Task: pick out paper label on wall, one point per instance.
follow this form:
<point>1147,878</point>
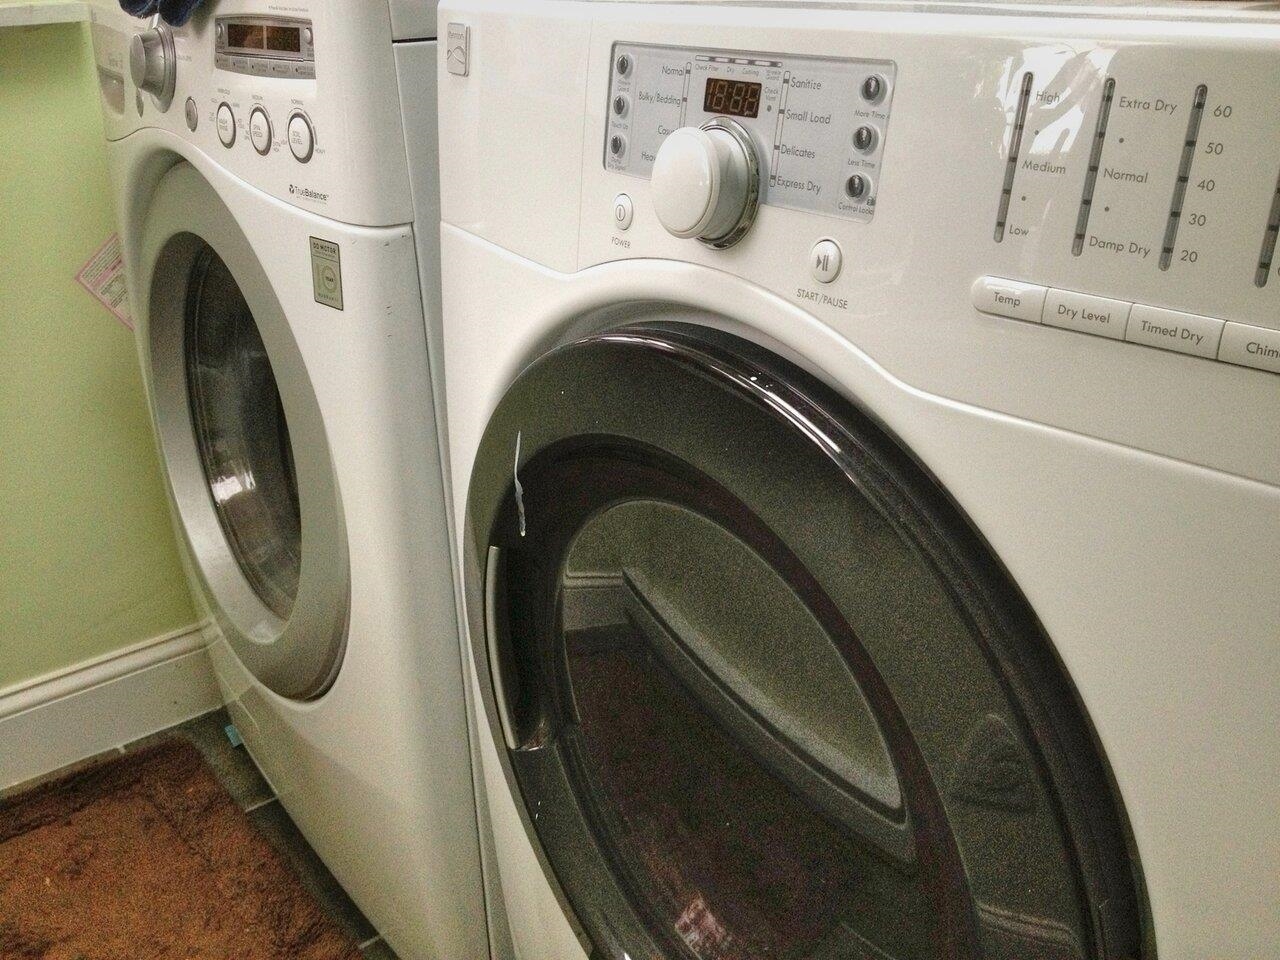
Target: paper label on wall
<point>103,277</point>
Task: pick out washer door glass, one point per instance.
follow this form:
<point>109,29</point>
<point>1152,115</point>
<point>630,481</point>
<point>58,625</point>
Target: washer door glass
<point>241,434</point>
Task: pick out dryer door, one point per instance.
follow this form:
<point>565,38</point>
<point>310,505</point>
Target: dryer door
<point>764,692</point>
<point>243,442</point>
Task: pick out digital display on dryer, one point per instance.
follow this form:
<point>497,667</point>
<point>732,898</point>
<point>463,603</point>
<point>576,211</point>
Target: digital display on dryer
<point>734,98</point>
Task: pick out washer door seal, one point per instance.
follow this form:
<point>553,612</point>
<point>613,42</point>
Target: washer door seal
<point>764,691</point>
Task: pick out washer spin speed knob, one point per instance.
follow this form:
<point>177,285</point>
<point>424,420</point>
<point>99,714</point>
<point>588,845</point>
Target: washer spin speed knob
<point>706,182</point>
<point>153,65</point>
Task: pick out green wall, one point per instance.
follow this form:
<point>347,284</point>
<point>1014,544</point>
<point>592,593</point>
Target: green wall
<point>87,557</point>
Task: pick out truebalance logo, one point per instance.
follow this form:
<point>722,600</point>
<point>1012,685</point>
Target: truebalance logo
<point>306,193</point>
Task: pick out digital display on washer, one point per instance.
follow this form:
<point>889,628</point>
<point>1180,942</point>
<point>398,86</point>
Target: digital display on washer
<point>734,98</point>
<point>269,37</point>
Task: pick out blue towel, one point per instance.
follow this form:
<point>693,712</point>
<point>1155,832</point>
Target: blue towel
<point>177,12</point>
<point>173,12</point>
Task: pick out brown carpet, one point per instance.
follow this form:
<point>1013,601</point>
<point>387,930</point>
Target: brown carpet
<point>146,857</point>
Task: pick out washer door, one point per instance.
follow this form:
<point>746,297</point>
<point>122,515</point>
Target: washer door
<point>243,442</point>
<point>764,692</point>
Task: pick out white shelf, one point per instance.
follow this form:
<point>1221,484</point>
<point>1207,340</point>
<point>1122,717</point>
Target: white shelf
<point>28,14</point>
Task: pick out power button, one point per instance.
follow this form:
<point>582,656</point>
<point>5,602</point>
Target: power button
<point>623,211</point>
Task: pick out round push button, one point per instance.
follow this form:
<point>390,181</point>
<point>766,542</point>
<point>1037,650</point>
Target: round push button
<point>302,139</point>
<point>623,211</point>
<point>857,187</point>
<point>260,130</point>
<point>193,115</point>
<point>226,124</point>
<point>873,88</point>
<point>864,138</point>
<point>825,260</point>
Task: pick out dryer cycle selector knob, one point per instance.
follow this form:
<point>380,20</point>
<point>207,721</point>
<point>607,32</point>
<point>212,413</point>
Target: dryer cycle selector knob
<point>153,65</point>
<point>706,182</point>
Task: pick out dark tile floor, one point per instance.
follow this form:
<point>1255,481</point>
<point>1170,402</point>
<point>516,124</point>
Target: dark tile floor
<point>237,773</point>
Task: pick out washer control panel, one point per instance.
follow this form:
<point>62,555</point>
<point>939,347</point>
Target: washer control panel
<point>250,90</point>
<point>818,124</point>
<point>265,46</point>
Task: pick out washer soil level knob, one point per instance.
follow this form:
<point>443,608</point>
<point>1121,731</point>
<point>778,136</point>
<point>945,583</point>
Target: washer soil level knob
<point>302,139</point>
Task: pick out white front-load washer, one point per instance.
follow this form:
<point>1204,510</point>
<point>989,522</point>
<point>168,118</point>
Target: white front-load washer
<point>266,213</point>
<point>863,429</point>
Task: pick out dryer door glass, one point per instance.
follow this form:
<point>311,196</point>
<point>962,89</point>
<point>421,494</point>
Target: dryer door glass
<point>765,694</point>
<point>727,743</point>
<point>241,433</point>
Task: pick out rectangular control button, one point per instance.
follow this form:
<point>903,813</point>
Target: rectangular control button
<point>281,68</point>
<point>1173,330</point>
<point>1250,346</point>
<point>1086,314</point>
<point>1009,298</point>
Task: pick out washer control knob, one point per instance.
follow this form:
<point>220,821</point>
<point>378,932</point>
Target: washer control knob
<point>302,138</point>
<point>152,63</point>
<point>225,121</point>
<point>706,182</point>
<point>260,130</point>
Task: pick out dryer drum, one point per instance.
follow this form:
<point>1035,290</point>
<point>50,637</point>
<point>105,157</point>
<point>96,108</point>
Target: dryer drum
<point>765,692</point>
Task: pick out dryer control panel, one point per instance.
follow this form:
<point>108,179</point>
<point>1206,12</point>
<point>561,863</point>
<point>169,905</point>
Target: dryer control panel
<point>818,124</point>
<point>1162,174</point>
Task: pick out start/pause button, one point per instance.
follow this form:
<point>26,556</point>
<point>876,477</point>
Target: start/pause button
<point>824,260</point>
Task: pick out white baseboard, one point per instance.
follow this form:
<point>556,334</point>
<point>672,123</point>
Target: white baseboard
<point>63,717</point>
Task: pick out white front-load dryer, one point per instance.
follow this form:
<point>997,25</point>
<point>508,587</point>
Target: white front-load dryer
<point>862,424</point>
<point>267,222</point>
